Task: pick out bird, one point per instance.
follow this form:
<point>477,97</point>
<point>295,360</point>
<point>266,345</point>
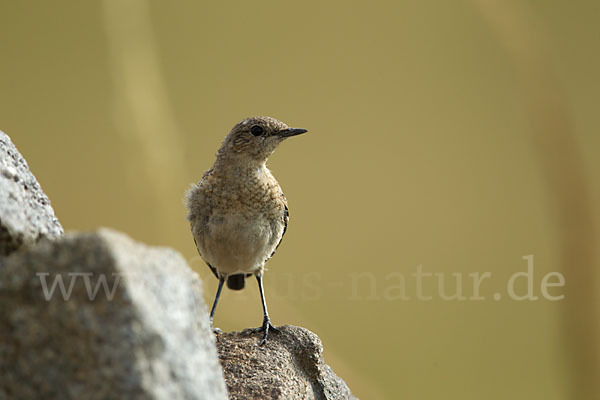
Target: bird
<point>238,213</point>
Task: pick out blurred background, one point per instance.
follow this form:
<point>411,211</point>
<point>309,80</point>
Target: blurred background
<point>457,136</point>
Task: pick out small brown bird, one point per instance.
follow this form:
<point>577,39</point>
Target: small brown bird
<point>237,212</point>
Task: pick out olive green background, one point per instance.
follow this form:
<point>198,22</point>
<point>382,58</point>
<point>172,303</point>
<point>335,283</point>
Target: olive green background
<point>456,135</point>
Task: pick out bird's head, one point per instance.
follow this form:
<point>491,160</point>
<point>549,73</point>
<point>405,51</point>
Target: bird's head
<point>254,139</point>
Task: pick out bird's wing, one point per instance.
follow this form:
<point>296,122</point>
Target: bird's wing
<point>213,269</point>
<point>194,210</point>
<point>286,218</point>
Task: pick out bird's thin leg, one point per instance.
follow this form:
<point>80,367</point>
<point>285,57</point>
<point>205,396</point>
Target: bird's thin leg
<point>266,320</point>
<point>214,306</point>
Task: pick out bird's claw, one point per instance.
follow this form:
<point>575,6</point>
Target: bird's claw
<point>266,327</point>
<point>215,330</point>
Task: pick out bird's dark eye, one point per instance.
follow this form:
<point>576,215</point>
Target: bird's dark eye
<point>256,130</point>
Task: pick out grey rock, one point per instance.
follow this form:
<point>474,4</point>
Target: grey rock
<point>150,338</point>
<point>289,366</point>
<point>25,211</point>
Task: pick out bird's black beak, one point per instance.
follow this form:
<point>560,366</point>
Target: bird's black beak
<point>291,132</point>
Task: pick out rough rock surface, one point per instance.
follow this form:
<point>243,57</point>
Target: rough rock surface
<point>25,211</point>
<point>149,339</point>
<point>289,366</point>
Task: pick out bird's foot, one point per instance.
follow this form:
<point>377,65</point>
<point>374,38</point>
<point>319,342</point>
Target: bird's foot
<point>266,327</point>
<point>215,330</point>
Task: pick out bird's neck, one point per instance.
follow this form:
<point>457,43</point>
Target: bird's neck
<point>239,167</point>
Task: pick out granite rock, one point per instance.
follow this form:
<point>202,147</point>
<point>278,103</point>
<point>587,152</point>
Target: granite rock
<point>25,211</point>
<point>289,366</point>
<point>128,322</point>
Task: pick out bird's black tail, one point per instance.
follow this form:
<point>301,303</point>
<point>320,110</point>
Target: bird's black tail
<point>236,282</point>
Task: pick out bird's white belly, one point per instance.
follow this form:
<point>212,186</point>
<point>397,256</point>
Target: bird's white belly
<point>233,244</point>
